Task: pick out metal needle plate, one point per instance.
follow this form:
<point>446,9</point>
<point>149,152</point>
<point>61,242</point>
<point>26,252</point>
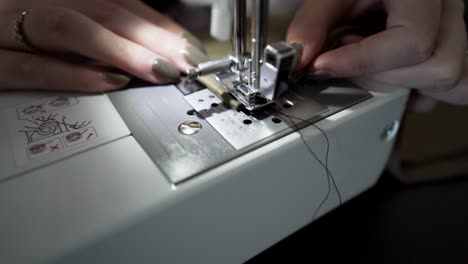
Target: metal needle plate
<point>155,114</point>
<point>242,130</point>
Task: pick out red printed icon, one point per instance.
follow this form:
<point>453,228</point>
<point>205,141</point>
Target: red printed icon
<point>44,148</point>
<point>46,127</point>
<point>55,147</point>
<point>73,137</point>
<point>37,149</point>
<point>90,136</point>
<point>33,110</point>
<point>30,112</point>
<point>82,136</point>
<point>60,102</point>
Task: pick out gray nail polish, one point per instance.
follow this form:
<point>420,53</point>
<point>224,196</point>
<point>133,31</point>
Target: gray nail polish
<point>117,79</point>
<point>190,38</point>
<point>166,70</point>
<point>195,56</point>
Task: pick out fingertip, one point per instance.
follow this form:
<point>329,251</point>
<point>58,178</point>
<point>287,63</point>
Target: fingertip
<point>294,37</point>
<point>304,56</point>
<point>113,81</point>
<point>320,63</point>
<point>421,104</point>
<point>311,39</point>
<point>311,25</point>
<point>308,53</point>
<point>351,39</point>
<point>329,60</point>
<point>335,63</point>
<point>165,71</point>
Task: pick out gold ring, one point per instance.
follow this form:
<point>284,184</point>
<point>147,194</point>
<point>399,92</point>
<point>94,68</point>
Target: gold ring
<point>20,35</point>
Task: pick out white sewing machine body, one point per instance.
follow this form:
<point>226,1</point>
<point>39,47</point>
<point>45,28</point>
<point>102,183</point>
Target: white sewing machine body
<point>115,180</point>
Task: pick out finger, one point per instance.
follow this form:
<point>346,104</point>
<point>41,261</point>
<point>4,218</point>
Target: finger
<point>458,95</point>
<point>7,34</point>
<point>351,39</point>
<point>421,104</point>
<point>443,70</point>
<point>23,71</point>
<point>142,10</point>
<point>64,30</point>
<point>134,28</point>
<point>409,39</point>
<point>311,25</point>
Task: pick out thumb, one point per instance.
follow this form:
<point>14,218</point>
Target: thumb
<point>311,25</point>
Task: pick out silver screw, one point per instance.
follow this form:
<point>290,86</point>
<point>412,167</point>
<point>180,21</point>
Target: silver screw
<point>190,128</point>
<point>391,131</point>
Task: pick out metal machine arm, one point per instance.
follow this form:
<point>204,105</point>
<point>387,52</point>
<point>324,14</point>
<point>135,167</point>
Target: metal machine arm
<point>257,78</point>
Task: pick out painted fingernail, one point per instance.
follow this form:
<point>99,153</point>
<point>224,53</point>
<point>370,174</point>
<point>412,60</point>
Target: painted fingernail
<point>194,55</point>
<point>190,38</point>
<point>166,70</point>
<point>322,75</point>
<point>117,79</point>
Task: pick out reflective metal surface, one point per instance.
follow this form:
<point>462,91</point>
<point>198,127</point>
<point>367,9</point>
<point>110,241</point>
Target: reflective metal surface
<point>190,128</point>
<point>154,115</point>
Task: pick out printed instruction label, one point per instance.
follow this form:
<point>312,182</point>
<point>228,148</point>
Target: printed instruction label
<point>51,128</point>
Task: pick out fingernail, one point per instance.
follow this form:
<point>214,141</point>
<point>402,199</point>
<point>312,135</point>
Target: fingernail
<point>299,51</point>
<point>166,70</point>
<point>322,75</point>
<point>191,39</point>
<point>299,47</point>
<point>117,79</point>
<point>194,55</point>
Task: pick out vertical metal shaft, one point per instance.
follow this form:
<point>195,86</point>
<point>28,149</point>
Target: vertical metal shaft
<point>240,31</point>
<point>259,36</point>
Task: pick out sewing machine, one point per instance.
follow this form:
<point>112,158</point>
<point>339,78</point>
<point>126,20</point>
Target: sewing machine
<point>208,171</point>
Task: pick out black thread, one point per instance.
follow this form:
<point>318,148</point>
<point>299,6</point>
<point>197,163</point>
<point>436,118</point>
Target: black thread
<point>330,177</point>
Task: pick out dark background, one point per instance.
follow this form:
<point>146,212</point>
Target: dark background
<point>391,223</point>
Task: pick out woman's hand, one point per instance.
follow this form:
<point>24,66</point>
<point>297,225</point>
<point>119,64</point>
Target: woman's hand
<point>422,47</point>
<point>122,38</point>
